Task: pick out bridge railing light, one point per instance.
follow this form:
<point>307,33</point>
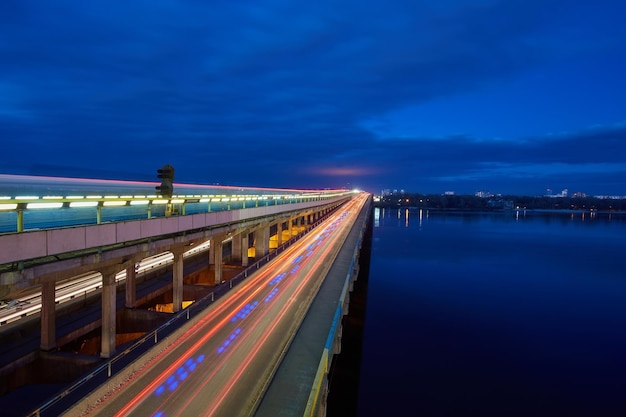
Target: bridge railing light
<point>114,203</point>
<point>139,202</point>
<point>43,205</point>
<point>8,206</point>
<point>83,204</point>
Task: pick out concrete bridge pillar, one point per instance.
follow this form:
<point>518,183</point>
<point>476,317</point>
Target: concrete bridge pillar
<point>48,316</point>
<point>109,313</point>
<point>290,227</point>
<point>299,221</point>
<point>236,252</point>
<point>279,232</point>
<point>131,285</point>
<point>211,251</point>
<point>177,280</point>
<point>217,246</point>
<point>244,248</point>
<point>262,241</point>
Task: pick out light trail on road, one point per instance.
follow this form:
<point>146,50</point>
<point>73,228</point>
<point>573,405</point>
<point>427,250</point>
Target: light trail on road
<point>222,362</point>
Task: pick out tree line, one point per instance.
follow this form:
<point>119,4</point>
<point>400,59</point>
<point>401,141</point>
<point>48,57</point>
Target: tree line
<point>505,202</point>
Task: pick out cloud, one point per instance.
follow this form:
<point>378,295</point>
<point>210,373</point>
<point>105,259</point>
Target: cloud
<point>275,94</point>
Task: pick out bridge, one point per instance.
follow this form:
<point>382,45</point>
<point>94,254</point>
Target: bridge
<point>111,231</point>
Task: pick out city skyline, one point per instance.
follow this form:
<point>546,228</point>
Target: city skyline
<point>488,194</point>
<point>509,96</point>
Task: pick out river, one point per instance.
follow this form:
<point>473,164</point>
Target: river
<point>495,314</point>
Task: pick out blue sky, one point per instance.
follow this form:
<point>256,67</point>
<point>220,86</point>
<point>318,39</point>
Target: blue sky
<point>506,96</point>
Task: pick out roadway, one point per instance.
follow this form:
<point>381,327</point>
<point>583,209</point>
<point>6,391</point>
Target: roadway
<point>222,361</point>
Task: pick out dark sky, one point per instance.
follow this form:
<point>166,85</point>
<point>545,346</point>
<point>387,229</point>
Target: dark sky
<point>427,96</point>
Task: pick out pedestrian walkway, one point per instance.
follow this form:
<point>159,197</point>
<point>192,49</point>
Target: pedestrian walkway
<point>289,391</point>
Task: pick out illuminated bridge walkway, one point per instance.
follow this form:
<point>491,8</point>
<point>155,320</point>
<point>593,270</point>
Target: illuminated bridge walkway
<point>49,238</point>
<point>32,203</point>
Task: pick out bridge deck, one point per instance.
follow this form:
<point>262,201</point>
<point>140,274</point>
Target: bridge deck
<point>289,391</point>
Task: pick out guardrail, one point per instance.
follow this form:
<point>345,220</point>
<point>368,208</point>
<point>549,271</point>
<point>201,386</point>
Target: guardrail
<point>116,364</point>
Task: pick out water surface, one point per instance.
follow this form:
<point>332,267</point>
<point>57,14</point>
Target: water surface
<point>495,314</point>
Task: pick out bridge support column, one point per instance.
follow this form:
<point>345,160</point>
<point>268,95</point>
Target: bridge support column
<point>236,248</point>
<point>290,227</point>
<point>48,316</point>
<point>177,284</point>
<point>131,286</point>
<point>109,313</point>
<point>216,242</point>
<point>244,248</point>
<point>279,232</point>
<point>262,241</point>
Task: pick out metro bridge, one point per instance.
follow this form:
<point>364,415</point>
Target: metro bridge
<point>112,227</point>
<point>29,202</point>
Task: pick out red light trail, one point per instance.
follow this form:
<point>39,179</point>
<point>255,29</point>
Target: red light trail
<point>222,362</point>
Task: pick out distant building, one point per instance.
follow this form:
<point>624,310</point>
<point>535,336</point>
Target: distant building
<point>387,192</point>
<point>449,193</point>
<point>561,194</point>
<point>610,197</point>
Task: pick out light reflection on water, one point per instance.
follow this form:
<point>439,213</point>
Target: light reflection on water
<point>495,314</point>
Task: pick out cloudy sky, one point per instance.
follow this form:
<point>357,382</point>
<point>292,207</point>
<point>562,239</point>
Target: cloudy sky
<point>428,96</point>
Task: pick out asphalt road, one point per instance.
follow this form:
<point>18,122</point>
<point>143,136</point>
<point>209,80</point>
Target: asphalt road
<point>223,360</point>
